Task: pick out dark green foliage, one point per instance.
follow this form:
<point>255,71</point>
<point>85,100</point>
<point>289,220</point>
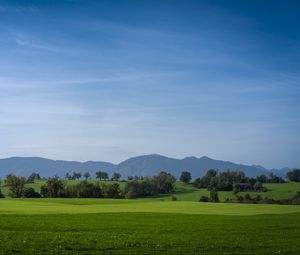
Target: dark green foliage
<point>293,176</point>
<point>131,195</point>
<point>275,179</point>
<point>15,185</point>
<point>173,198</point>
<point>86,175</point>
<point>258,187</point>
<point>163,183</point>
<point>115,176</point>
<point>1,194</point>
<point>54,187</point>
<point>30,193</point>
<point>214,196</point>
<point>262,178</point>
<point>214,180</point>
<point>272,178</point>
<point>101,175</point>
<point>76,176</point>
<point>34,176</point>
<point>84,189</point>
<point>149,233</point>
<point>235,181</point>
<point>142,188</point>
<point>111,191</point>
<point>295,200</point>
<point>185,177</point>
<point>204,199</point>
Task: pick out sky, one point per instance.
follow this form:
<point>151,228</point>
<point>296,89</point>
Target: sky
<point>108,80</point>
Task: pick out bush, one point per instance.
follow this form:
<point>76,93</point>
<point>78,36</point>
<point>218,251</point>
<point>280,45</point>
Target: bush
<point>248,197</point>
<point>296,199</point>
<point>173,198</point>
<point>1,194</point>
<point>31,193</point>
<point>214,196</point>
<point>131,195</point>
<point>204,199</point>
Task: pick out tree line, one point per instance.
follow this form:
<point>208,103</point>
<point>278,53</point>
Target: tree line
<point>236,181</point>
<point>100,175</point>
<point>135,187</point>
<point>59,188</point>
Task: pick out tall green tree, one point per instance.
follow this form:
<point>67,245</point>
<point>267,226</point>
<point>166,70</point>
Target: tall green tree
<point>34,176</point>
<point>164,182</point>
<point>54,187</point>
<point>15,185</point>
<point>86,175</point>
<point>101,175</point>
<point>293,176</point>
<point>185,177</point>
<point>116,176</point>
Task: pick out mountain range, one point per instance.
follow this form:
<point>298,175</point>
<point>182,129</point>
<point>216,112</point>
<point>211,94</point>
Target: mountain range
<point>146,165</point>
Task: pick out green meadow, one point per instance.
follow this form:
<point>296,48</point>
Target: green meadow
<point>149,233</point>
<point>154,225</point>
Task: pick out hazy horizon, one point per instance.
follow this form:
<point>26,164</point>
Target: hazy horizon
<point>109,80</point>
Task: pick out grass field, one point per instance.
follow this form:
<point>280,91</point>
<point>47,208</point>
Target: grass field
<point>149,233</point>
<point>146,226</point>
<point>150,225</point>
<point>88,206</point>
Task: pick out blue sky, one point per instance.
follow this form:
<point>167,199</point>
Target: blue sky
<point>107,80</point>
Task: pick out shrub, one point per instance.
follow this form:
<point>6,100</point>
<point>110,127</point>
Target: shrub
<point>31,193</point>
<point>204,199</point>
<point>214,197</point>
<point>131,195</point>
<point>173,198</point>
<point>1,194</point>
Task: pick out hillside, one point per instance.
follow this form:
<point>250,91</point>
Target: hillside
<point>146,165</point>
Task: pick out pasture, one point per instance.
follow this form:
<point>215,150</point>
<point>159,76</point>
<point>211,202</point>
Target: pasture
<point>89,206</point>
<point>154,225</point>
<point>111,226</point>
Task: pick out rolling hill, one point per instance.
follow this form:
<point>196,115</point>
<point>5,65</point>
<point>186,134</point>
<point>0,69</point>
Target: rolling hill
<point>146,165</point>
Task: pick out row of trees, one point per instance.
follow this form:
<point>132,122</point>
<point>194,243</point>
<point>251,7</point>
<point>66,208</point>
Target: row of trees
<point>271,178</point>
<point>228,181</point>
<point>101,175</point>
<point>55,188</point>
<point>293,176</point>
<point>247,198</point>
<point>161,184</point>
